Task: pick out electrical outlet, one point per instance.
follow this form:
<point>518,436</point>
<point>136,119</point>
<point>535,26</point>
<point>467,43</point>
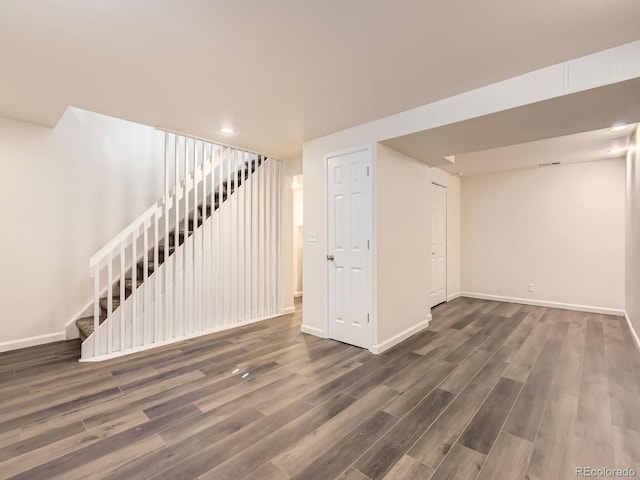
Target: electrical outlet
<point>531,287</point>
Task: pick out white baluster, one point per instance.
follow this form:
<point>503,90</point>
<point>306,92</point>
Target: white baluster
<point>109,303</point>
<point>134,274</point>
<point>279,188</point>
<point>122,294</point>
<point>96,310</point>
<point>173,321</point>
<point>156,281</point>
<point>165,270</point>
<point>145,308</point>
<point>268,241</point>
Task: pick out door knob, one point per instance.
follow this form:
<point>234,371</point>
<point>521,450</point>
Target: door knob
<point>330,257</point>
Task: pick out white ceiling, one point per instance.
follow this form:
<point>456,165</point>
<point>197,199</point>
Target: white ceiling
<point>576,148</point>
<point>594,109</point>
<point>281,71</point>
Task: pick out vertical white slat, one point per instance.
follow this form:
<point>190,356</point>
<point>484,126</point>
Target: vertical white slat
<point>109,303</point>
<point>213,247</point>
<point>270,285</point>
<point>195,284</point>
<point>96,310</point>
<point>165,271</point>
<point>255,257</point>
<point>240,235</point>
<point>267,234</point>
<point>197,245</point>
<point>201,263</point>
<point>145,307</point>
<point>262,239</point>
<point>232,260</point>
<point>206,240</point>
<point>176,236</point>
<point>204,259</point>
<point>275,237</point>
<point>134,295</point>
<point>247,239</point>
<point>123,270</point>
<point>229,240</point>
<point>280,190</point>
<point>223,238</point>
<point>219,275</point>
<point>156,281</point>
<point>184,257</point>
<point>209,266</point>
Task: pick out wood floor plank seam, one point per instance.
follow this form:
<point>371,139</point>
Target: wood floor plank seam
<point>453,400</point>
<point>401,397</point>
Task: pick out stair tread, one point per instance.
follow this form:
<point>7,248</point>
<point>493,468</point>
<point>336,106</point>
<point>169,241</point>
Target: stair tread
<point>85,327</point>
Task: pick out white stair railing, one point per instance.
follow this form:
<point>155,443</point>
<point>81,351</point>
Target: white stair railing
<point>204,258</point>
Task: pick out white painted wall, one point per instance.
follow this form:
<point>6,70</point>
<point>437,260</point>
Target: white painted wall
<point>633,233</point>
<point>453,237</point>
<point>546,83</point>
<point>560,228</point>
<point>64,192</point>
<point>403,248</point>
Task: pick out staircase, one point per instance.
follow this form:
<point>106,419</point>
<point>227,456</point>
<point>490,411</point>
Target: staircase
<point>210,254</point>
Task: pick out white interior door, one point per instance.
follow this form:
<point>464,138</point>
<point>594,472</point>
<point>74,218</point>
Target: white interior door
<point>438,244</point>
<point>349,221</point>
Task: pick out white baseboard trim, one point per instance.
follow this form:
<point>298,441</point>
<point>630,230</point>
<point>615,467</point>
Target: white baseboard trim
<point>297,294</point>
<point>318,332</point>
<point>545,303</point>
<point>453,296</point>
<point>634,334</point>
<point>289,310</point>
<point>32,341</point>
<point>396,339</point>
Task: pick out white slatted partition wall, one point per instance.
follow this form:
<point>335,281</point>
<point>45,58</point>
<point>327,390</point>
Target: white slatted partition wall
<point>207,255</point>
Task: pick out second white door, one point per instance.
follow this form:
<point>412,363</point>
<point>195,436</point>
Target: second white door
<point>349,214</point>
<point>438,244</point>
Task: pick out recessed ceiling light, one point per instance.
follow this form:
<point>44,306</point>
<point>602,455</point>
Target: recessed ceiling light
<point>226,131</point>
<point>618,126</point>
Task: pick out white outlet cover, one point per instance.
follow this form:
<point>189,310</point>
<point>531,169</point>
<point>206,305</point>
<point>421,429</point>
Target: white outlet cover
<point>312,236</point>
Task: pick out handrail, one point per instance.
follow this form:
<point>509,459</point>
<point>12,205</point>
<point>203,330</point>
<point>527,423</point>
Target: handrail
<point>120,237</point>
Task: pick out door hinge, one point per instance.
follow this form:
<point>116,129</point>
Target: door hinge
<point>368,320</point>
<point>367,171</point>
<point>368,245</point>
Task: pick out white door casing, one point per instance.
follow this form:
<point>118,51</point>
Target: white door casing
<point>348,248</point>
<point>438,244</point>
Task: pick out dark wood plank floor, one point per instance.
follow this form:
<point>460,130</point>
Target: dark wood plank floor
<point>490,391</point>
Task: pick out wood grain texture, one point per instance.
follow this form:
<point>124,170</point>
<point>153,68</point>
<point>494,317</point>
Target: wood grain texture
<point>408,468</point>
<point>437,441</point>
<point>508,458</point>
<point>535,391</point>
<point>487,422</point>
<point>461,463</point>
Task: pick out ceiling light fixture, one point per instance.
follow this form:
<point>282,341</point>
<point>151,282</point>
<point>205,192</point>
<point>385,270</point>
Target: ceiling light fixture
<point>617,127</point>
<point>227,131</point>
